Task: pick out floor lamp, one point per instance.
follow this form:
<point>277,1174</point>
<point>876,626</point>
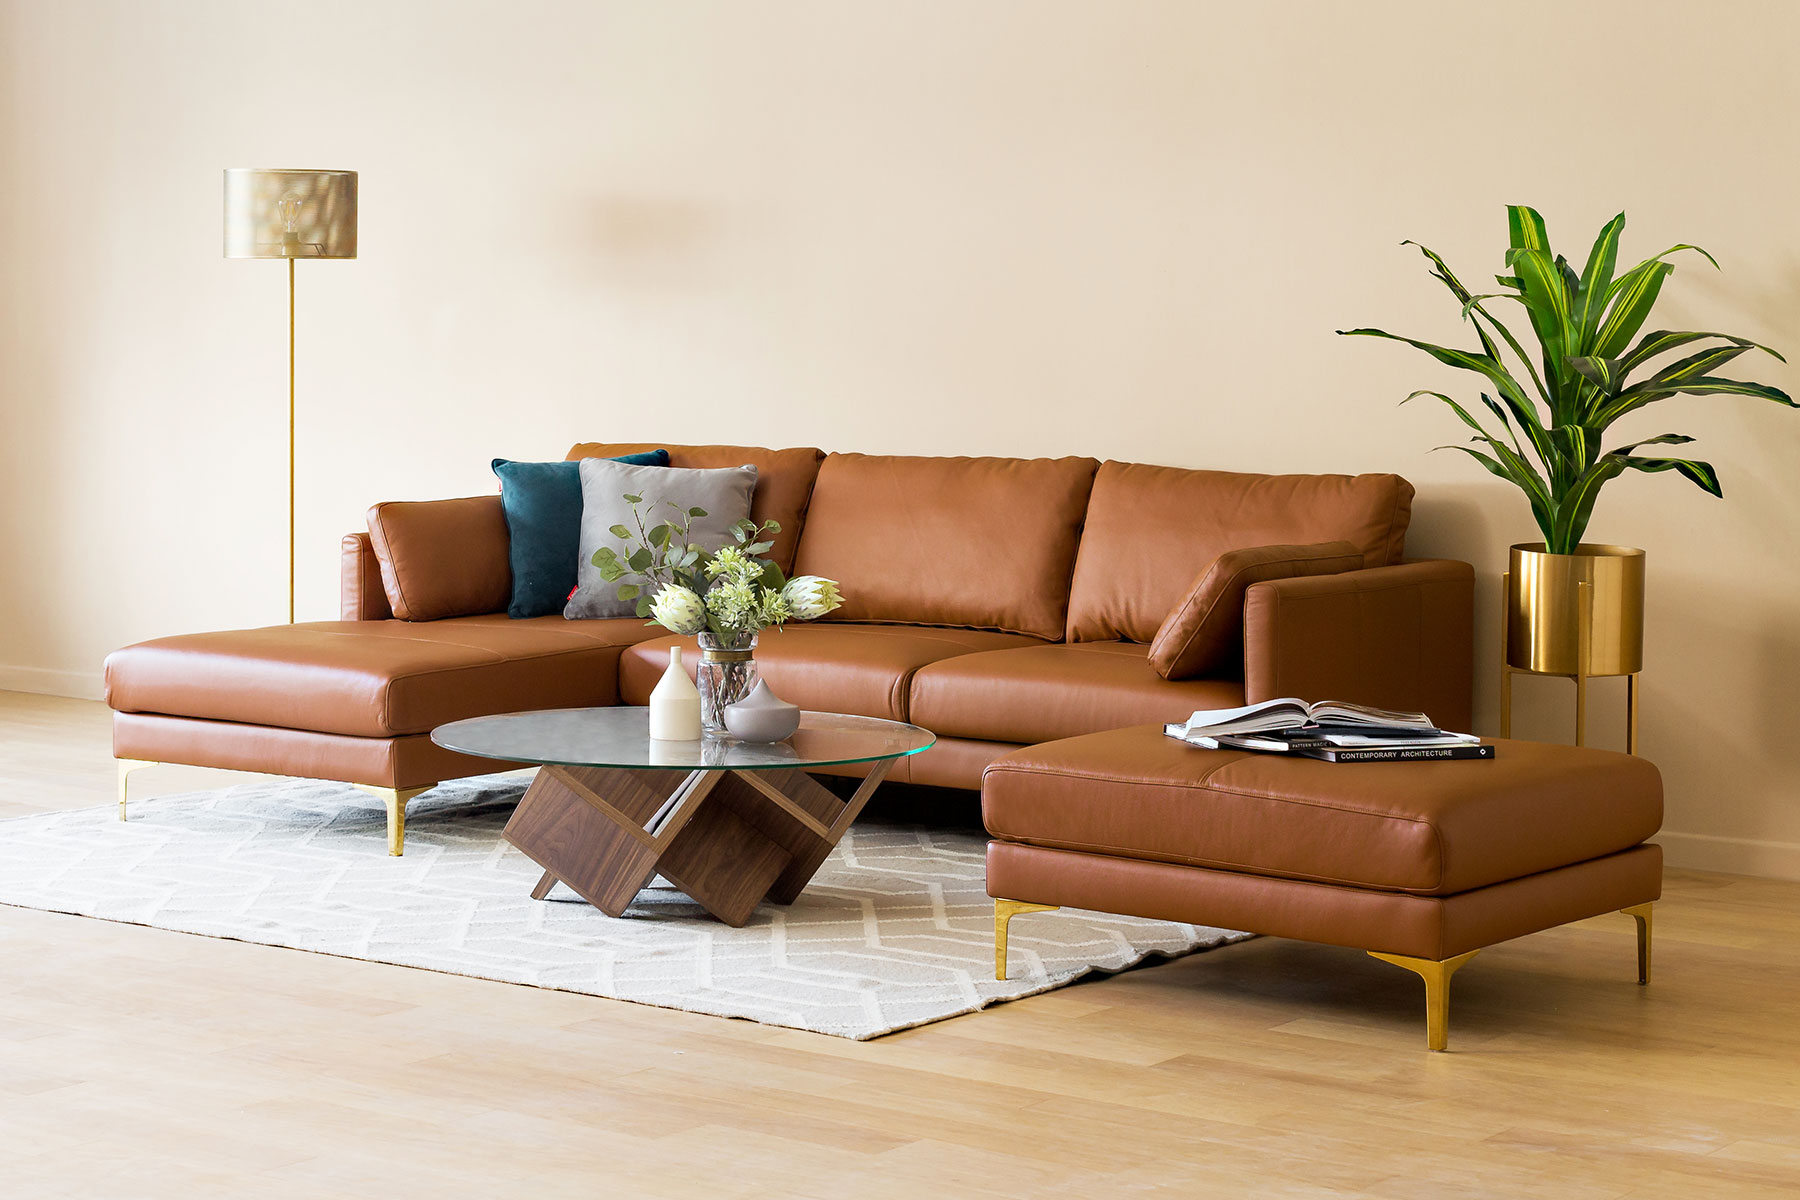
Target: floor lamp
<point>290,214</point>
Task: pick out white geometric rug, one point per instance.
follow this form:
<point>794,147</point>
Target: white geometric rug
<point>896,930</point>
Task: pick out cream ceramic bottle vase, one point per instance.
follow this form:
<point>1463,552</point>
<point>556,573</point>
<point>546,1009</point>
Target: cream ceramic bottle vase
<point>675,704</point>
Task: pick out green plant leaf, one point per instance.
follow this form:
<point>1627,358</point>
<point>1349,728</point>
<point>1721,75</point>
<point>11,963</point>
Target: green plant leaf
<point>755,548</point>
<point>1653,344</point>
<point>1667,439</point>
<point>1549,304</point>
<point>660,534</point>
<point>1577,505</point>
<point>1630,300</point>
<point>1603,373</point>
<point>1701,474</point>
<point>1596,277</point>
<point>1640,394</point>
<point>629,591</point>
<point>631,499</point>
<point>641,559</point>
<point>611,570</point>
<point>1539,511</point>
<point>643,606</point>
<point>1482,363</point>
<point>1525,228</point>
<point>1472,304</point>
<point>696,512</point>
<point>619,531</point>
<point>772,577</point>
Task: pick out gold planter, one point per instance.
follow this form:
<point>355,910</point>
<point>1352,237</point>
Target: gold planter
<point>1545,606</point>
<point>1576,615</point>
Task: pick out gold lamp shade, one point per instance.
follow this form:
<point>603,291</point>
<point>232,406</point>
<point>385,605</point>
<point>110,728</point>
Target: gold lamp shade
<point>289,214</point>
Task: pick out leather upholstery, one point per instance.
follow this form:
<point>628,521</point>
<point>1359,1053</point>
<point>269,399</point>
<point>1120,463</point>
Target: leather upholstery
<point>784,480</point>
<point>1395,637</point>
<point>372,678</point>
<point>1433,927</point>
<point>1151,530</point>
<point>861,669</point>
<point>413,760</point>
<point>442,558</point>
<point>982,543</point>
<point>1426,828</point>
<point>1039,693</point>
<point>360,593</point>
<point>1204,634</point>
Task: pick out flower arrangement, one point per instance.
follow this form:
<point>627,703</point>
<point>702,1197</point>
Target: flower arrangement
<point>726,596</point>
<point>730,593</point>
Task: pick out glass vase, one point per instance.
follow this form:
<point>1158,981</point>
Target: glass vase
<point>727,674</point>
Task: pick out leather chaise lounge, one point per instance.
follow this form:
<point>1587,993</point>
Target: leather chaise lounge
<point>999,602</point>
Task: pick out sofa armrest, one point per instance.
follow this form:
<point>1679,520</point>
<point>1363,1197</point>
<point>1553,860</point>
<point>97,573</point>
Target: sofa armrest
<point>360,595</point>
<point>1397,637</point>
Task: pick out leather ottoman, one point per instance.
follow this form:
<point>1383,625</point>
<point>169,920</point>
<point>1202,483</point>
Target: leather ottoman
<point>1421,864</point>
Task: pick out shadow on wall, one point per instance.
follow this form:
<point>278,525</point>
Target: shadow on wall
<point>644,241</point>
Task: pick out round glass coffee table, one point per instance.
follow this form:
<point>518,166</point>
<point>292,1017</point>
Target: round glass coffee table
<point>730,823</point>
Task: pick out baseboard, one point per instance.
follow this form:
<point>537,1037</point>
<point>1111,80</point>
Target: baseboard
<point>81,685</point>
<point>1737,856</point>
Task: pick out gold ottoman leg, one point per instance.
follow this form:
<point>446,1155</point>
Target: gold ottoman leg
<point>1641,914</point>
<point>1436,975</point>
<point>1004,912</point>
<point>126,767</point>
<point>395,799</point>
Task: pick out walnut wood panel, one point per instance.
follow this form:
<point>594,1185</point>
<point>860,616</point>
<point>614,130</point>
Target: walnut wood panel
<point>584,825</point>
<point>722,860</point>
<point>808,859</point>
<point>736,839</point>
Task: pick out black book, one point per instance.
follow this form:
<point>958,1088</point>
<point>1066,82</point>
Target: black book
<point>1407,754</point>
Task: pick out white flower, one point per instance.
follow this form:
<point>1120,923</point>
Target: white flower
<point>810,597</point>
<point>678,610</point>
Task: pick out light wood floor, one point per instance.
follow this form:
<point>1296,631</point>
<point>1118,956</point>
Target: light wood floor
<point>137,1063</point>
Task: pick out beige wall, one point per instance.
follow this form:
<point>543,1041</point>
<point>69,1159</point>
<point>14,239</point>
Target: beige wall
<point>1111,228</point>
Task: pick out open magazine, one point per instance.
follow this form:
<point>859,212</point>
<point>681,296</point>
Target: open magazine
<point>1329,729</point>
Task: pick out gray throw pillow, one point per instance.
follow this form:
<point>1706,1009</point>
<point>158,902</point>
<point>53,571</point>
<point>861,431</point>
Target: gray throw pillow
<point>724,494</point>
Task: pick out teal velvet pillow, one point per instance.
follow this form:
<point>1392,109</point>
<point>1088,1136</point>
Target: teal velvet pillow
<point>542,502</point>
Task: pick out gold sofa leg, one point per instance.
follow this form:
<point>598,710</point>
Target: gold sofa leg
<point>395,799</point>
<point>1437,990</point>
<point>1004,912</point>
<point>1641,914</point>
<point>126,767</point>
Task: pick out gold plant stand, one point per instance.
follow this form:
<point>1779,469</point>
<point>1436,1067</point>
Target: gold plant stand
<point>1584,626</point>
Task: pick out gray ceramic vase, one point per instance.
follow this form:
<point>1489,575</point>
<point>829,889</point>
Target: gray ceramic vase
<point>761,716</point>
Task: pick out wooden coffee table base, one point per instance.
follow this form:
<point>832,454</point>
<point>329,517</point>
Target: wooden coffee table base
<point>729,839</point>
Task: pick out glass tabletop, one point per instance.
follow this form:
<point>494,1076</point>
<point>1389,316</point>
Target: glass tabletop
<point>620,737</point>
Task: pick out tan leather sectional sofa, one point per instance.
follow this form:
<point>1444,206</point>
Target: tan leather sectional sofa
<point>998,602</point>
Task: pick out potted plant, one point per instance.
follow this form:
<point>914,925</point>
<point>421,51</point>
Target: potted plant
<point>726,597</point>
<point>1546,441</point>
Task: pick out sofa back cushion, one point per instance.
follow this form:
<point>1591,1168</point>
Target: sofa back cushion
<point>981,543</point>
<point>784,480</point>
<point>1151,530</point>
<point>1203,635</point>
<point>442,558</point>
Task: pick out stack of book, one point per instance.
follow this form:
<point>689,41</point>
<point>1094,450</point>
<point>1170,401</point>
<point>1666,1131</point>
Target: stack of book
<point>1330,730</point>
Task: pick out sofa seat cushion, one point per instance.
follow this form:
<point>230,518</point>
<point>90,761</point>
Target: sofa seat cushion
<point>1429,828</point>
<point>1041,693</point>
<point>861,669</point>
<point>373,678</point>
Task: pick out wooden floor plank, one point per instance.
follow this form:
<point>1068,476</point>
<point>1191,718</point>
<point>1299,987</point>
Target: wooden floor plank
<point>146,1063</point>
